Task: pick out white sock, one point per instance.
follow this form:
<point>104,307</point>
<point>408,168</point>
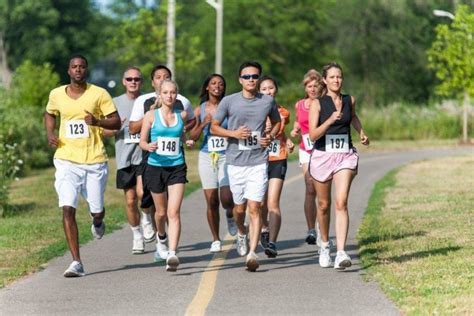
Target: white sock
<point>146,218</point>
<point>171,253</point>
<point>324,244</point>
<point>137,233</point>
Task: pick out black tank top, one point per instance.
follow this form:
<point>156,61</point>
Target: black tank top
<point>340,127</point>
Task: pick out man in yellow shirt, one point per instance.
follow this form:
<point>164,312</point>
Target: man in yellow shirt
<point>80,158</point>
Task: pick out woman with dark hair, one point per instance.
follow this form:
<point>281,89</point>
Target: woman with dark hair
<point>334,160</point>
<point>212,166</point>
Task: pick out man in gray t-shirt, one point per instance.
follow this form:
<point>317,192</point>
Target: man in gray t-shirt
<point>128,158</point>
<point>246,154</point>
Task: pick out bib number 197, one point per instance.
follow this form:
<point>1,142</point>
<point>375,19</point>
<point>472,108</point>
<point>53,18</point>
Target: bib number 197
<point>337,143</point>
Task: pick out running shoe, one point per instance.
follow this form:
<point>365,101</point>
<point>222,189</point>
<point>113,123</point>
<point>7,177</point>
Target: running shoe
<point>252,262</point>
<point>98,232</point>
<point>264,239</point>
<point>161,252</point>
<point>216,246</point>
<point>148,232</point>
<point>172,263</point>
<point>271,250</point>
<point>138,246</point>
<point>242,245</point>
<point>324,256</point>
<point>231,226</point>
<point>74,270</point>
<point>311,238</point>
<point>342,260</point>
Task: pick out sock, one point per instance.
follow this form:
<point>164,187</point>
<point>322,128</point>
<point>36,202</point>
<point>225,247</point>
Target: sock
<point>324,244</point>
<point>146,218</point>
<point>137,234</point>
<point>171,253</point>
<point>161,237</point>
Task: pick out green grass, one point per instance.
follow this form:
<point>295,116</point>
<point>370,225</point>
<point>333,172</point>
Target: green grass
<point>31,231</point>
<point>416,237</point>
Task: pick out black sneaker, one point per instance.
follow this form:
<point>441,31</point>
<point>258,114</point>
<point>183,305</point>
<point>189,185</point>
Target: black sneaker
<point>311,238</point>
<point>271,250</point>
<point>264,239</point>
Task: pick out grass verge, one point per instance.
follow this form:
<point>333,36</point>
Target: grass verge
<point>416,237</point>
<point>31,232</point>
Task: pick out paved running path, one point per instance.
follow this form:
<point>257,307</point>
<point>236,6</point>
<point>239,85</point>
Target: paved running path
<point>120,283</point>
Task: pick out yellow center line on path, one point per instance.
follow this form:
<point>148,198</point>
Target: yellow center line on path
<point>207,285</point>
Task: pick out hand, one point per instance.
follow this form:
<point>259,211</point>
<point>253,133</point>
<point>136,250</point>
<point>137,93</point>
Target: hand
<point>53,140</point>
<point>207,119</point>
<point>122,123</point>
<point>152,147</point>
<point>90,119</point>
<point>268,127</point>
<point>190,143</point>
<point>266,140</point>
<point>364,140</point>
<point>335,116</point>
<point>290,145</point>
<point>294,132</point>
<point>242,132</point>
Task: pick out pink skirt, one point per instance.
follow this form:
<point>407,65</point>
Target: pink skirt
<point>323,165</point>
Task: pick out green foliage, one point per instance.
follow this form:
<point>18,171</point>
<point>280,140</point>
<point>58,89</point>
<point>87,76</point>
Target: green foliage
<point>452,55</point>
<point>10,163</point>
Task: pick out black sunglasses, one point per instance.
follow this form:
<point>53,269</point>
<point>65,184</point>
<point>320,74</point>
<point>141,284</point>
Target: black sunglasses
<point>136,79</point>
<point>247,77</point>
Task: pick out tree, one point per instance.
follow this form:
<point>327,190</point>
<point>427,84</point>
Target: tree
<point>452,57</point>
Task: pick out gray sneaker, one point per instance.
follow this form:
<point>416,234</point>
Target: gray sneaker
<point>98,232</point>
<point>231,226</point>
<point>242,245</point>
<point>161,249</point>
<point>75,270</point>
<point>148,232</point>
<point>172,263</point>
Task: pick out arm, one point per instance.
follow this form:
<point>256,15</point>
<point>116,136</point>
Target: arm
<point>50,125</point>
<point>147,122</point>
<point>195,133</point>
<point>358,125</point>
<point>275,128</point>
<point>241,133</point>
<point>296,126</point>
<point>135,127</point>
<point>315,131</point>
<point>111,121</point>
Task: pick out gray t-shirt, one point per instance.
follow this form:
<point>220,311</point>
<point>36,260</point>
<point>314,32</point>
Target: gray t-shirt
<point>127,151</point>
<point>253,114</point>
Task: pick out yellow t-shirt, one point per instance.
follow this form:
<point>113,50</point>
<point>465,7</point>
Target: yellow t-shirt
<point>79,142</point>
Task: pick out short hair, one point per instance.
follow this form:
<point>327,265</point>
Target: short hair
<point>265,78</point>
<point>314,75</point>
<point>79,56</point>
<point>246,64</point>
<point>158,67</point>
<point>204,96</point>
<point>132,68</point>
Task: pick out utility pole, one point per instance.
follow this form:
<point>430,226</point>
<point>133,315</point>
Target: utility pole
<point>170,36</point>
<point>218,5</point>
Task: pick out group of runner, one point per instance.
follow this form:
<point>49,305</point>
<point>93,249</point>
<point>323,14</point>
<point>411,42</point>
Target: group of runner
<point>242,159</point>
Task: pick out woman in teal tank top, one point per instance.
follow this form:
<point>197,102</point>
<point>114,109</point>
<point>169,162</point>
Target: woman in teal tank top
<point>165,173</point>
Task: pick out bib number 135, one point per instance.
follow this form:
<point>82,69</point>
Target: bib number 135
<point>337,143</point>
<point>167,146</point>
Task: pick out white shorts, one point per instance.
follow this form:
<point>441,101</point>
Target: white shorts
<point>248,182</point>
<point>304,156</point>
<point>212,177</point>
<point>73,179</point>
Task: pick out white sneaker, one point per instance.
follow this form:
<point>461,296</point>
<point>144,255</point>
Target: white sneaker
<point>342,260</point>
<point>74,270</point>
<point>252,262</point>
<point>324,256</point>
<point>148,232</point>
<point>138,246</point>
<point>172,263</point>
<point>242,245</point>
<point>161,250</point>
<point>216,246</point>
<point>231,226</point>
<point>98,232</point>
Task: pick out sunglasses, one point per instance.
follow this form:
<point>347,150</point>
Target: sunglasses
<point>248,77</point>
<point>136,79</point>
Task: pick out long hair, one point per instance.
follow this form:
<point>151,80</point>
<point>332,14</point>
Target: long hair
<point>314,75</point>
<point>204,95</point>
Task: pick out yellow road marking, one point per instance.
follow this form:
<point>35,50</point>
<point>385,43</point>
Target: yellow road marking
<point>207,285</point>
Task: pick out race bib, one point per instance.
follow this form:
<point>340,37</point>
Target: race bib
<point>251,142</point>
<point>308,144</point>
<point>77,129</point>
<point>337,143</point>
<point>167,146</point>
<point>130,138</point>
<point>274,148</point>
<point>215,143</point>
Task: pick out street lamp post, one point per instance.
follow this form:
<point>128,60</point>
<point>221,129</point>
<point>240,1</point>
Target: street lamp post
<point>218,5</point>
<point>442,13</point>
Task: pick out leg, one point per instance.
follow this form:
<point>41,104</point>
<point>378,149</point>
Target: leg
<point>71,232</point>
<point>324,207</point>
<point>226,200</point>
<point>131,199</point>
<point>275,187</point>
<point>175,198</point>
<point>309,199</point>
<point>213,218</point>
<point>255,224</point>
<point>342,182</point>
<point>239,217</point>
<point>160,200</point>
<point>264,212</point>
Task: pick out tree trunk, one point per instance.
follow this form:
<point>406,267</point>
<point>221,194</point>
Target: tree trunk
<point>5,72</point>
